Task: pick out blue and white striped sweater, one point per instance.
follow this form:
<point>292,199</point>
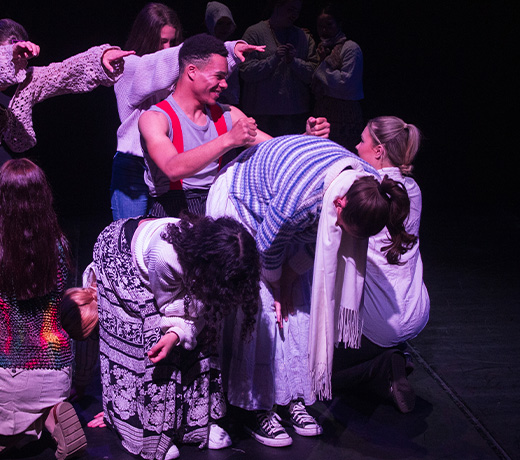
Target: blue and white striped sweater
<point>278,189</point>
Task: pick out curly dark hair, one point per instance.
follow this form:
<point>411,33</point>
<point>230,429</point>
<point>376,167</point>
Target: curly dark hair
<point>372,205</point>
<point>221,267</point>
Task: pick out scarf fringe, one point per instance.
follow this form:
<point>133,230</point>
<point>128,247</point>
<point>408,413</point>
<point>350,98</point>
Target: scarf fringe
<point>350,328</point>
<point>320,378</point>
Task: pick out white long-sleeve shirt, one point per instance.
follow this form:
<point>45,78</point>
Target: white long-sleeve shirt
<point>396,302</point>
<point>160,271</point>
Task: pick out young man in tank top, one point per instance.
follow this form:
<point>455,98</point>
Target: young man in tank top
<point>184,136</point>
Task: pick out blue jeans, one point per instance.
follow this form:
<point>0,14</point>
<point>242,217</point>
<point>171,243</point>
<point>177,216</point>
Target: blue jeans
<point>128,190</point>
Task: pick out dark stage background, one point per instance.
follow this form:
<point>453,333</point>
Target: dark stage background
<point>448,67</point>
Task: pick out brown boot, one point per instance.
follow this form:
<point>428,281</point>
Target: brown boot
<point>401,390</point>
<point>67,432</point>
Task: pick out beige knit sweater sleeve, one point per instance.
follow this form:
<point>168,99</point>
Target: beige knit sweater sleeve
<point>78,74</point>
<point>10,72</point>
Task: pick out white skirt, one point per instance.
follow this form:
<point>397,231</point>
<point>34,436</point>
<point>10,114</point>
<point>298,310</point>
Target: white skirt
<point>27,394</point>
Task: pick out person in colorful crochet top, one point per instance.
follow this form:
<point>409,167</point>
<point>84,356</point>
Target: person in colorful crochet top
<point>35,355</point>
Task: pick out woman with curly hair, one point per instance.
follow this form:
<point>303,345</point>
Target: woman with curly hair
<point>35,356</point>
<point>163,286</point>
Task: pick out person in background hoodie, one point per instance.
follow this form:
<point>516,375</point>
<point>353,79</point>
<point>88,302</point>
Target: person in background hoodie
<point>220,23</point>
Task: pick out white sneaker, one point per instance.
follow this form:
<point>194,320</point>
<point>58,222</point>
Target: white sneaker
<point>218,438</point>
<point>304,424</point>
<point>172,453</point>
<point>269,431</point>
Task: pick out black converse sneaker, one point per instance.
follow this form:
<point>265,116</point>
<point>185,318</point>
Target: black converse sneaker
<point>269,431</point>
<point>304,424</point>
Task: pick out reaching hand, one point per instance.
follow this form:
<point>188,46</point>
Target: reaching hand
<point>243,49</point>
<point>318,127</point>
<point>97,421</point>
<point>278,312</point>
<point>25,50</point>
<point>161,349</point>
<point>113,60</point>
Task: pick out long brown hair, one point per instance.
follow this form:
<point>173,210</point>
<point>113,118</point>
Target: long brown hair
<point>32,245</point>
<point>145,36</point>
<point>371,206</point>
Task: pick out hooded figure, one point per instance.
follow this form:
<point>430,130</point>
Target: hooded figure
<point>220,23</point>
<point>219,20</point>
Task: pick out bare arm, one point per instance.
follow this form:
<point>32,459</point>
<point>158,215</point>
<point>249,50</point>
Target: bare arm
<point>80,73</point>
<point>259,136</point>
<point>153,127</point>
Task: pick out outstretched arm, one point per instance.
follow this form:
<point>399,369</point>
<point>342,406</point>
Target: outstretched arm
<point>160,70</point>
<point>78,74</point>
<point>13,63</point>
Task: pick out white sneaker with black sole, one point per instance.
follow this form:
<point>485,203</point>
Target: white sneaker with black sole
<point>303,423</point>
<point>269,431</point>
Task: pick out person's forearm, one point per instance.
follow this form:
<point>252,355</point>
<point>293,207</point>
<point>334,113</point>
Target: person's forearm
<point>192,161</point>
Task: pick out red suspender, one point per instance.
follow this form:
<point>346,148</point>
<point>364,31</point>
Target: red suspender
<point>218,119</point>
<point>178,141</point>
<point>217,116</point>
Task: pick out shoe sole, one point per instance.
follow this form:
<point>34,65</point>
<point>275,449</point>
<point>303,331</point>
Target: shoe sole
<point>402,391</point>
<point>269,441</point>
<point>68,432</point>
<point>219,445</point>
<point>308,431</point>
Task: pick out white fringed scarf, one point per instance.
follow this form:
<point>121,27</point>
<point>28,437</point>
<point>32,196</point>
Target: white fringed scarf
<point>337,287</point>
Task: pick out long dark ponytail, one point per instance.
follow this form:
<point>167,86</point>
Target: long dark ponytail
<point>372,205</point>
